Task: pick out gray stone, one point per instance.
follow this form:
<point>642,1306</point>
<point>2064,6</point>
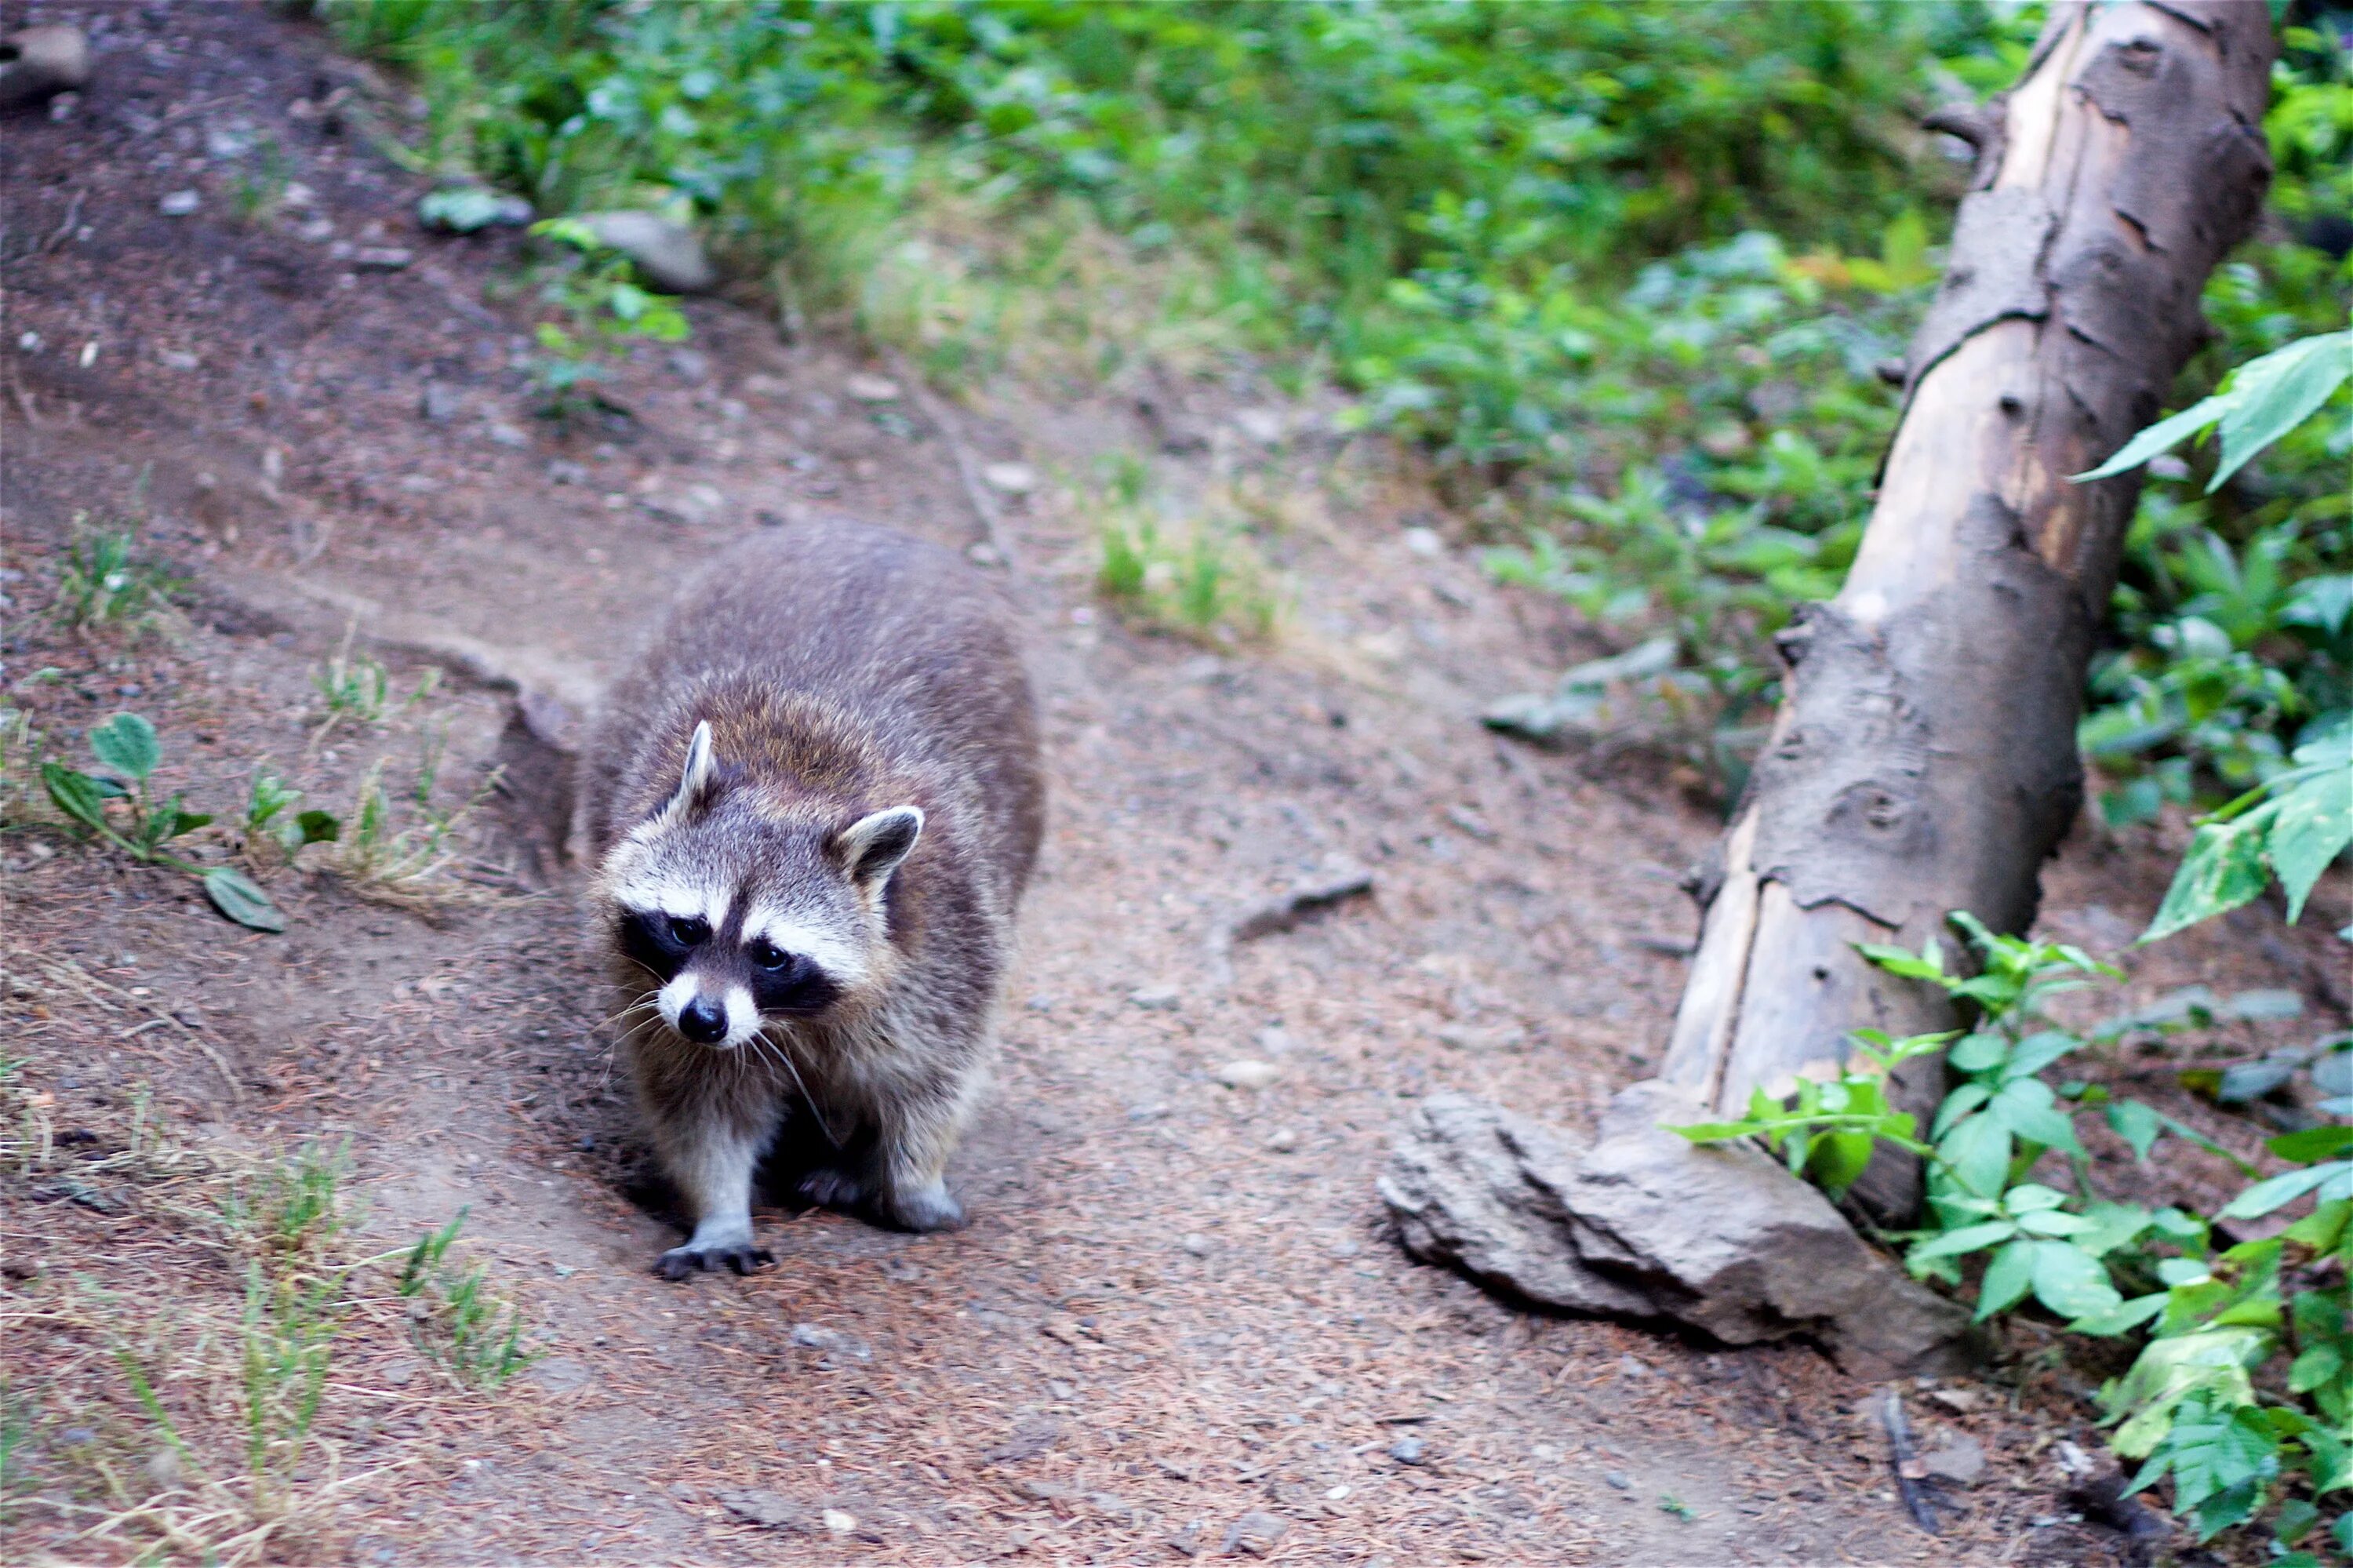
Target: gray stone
<point>1409,1450</point>
<point>667,254</point>
<point>1961,1460</point>
<point>1641,1223</point>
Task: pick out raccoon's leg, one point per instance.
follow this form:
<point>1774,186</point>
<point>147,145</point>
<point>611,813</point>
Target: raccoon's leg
<point>920,1129</point>
<point>711,1151</point>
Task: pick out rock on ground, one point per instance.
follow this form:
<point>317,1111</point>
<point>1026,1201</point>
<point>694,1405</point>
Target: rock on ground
<point>667,253</point>
<point>1641,1223</point>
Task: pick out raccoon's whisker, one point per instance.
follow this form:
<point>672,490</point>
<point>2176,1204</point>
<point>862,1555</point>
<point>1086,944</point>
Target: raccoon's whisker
<point>776,1048</point>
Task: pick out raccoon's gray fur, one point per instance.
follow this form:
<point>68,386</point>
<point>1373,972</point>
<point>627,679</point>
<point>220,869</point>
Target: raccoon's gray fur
<point>815,802</point>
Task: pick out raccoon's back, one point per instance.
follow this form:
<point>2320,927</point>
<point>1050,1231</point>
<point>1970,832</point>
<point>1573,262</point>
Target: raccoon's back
<point>900,639</point>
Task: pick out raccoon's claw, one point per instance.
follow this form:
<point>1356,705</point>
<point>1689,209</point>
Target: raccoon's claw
<point>831,1189</point>
<point>680,1261</point>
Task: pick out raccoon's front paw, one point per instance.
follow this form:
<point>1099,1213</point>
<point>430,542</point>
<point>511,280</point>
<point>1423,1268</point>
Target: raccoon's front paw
<point>680,1261</point>
<point>930,1208</point>
<point>832,1189</point>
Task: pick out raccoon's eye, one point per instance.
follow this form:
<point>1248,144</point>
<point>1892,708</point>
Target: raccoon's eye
<point>689,932</point>
<point>765,954</point>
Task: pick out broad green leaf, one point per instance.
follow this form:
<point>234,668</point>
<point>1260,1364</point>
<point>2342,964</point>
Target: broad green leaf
<point>127,744</point>
<point>318,827</point>
<point>2176,1271</point>
<point>234,895</point>
<point>2311,829</point>
<point>1977,1152</point>
<point>1838,1159</point>
<point>2054,1222</point>
<point>2312,1143</point>
<point>2211,1361</point>
<point>75,793</point>
<point>2037,1052</point>
<point>2122,1319</point>
<point>2223,869</point>
<point>2320,1365</point>
<point>2137,1124</point>
<point>2323,1229</point>
<point>2158,438</point>
<point>2026,1106</point>
<point>2006,1279</point>
<point>1978,1052</point>
<point>1959,1103</point>
<point>2113,1224</point>
<point>2030,1196</point>
<point>2269,396</point>
<point>1959,1243</point>
<point>2335,1179</point>
<point>2325,601</point>
<point>2071,1282</point>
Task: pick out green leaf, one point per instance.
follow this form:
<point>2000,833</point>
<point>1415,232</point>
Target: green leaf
<point>318,827</point>
<point>2264,1196</point>
<point>2037,1052</point>
<point>2055,1222</point>
<point>2006,1279</point>
<point>2319,1365</point>
<point>2028,1197</point>
<point>2071,1282</point>
<point>2269,396</point>
<point>127,744</point>
<point>2323,1229</point>
<point>2137,1124</point>
<point>1977,1153</point>
<point>2312,1143</point>
<point>1978,1052</point>
<point>1959,1103</point>
<point>2165,433</point>
<point>75,793</point>
<point>1838,1159</point>
<point>2026,1106</point>
<point>2212,1362</point>
<point>234,895</point>
<point>2311,829</point>
<point>1959,1243</point>
<point>2122,1319</point>
<point>2223,869</point>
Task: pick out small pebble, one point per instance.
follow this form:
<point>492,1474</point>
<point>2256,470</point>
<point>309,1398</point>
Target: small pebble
<point>1248,1074</point>
<point>1617,1479</point>
<point>838,1523</point>
<point>179,203</point>
<point>1155,998</point>
<point>871,389</point>
<point>1197,1244</point>
<point>1408,1450</point>
<point>1282,1140</point>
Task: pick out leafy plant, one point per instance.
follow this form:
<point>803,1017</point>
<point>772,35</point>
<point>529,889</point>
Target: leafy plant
<point>2289,827</point>
<point>104,581</point>
<point>601,306</point>
<point>2261,401</point>
<point>270,816</point>
<point>127,745</point>
<point>2192,1405</point>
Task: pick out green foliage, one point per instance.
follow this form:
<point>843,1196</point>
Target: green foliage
<point>2261,401</point>
<point>1196,575</point>
<point>270,817</point>
<point>139,827</point>
<point>457,1320</point>
<point>1830,1125</point>
<point>105,583</point>
<point>600,308</point>
<point>2240,1391</point>
<point>2291,826</point>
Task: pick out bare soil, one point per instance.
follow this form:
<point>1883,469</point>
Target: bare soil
<point>1176,1325</point>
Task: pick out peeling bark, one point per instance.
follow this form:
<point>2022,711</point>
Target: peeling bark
<point>1923,759</point>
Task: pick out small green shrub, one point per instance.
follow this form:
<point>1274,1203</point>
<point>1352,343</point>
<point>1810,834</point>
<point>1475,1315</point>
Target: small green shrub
<point>105,582</point>
<point>455,1317</point>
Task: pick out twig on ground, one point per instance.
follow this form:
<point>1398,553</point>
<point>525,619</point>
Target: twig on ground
<point>1283,913</point>
<point>73,974</point>
<point>976,490</point>
<point>1905,1463</point>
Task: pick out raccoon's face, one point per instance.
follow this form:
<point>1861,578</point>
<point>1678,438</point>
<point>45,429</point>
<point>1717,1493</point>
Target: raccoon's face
<point>743,920</point>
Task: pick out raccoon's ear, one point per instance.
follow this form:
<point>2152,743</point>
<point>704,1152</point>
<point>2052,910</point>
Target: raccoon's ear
<point>872,847</point>
<point>695,780</point>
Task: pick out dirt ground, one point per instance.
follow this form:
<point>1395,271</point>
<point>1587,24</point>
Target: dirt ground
<point>1176,1325</point>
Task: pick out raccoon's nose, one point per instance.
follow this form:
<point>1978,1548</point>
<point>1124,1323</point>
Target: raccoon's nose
<point>702,1021</point>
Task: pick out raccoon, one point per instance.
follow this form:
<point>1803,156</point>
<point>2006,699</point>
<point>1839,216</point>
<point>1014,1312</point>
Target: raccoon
<point>815,801</point>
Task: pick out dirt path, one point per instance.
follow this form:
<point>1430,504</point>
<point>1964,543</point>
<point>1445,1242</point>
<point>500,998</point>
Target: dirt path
<point>1176,1324</point>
